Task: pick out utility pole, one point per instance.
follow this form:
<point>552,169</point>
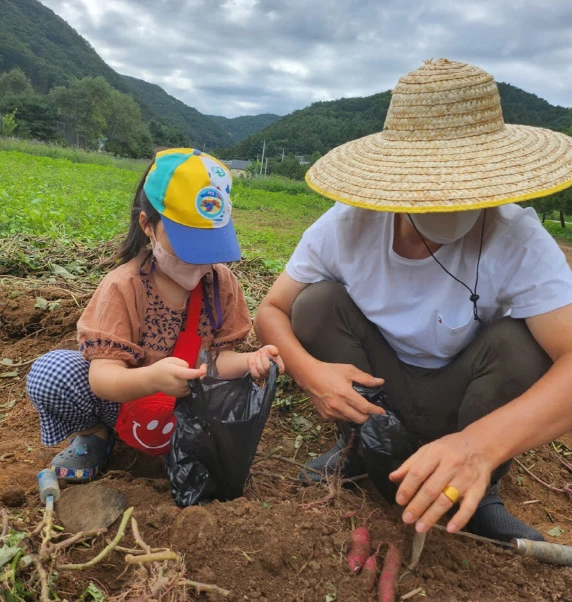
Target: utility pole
<point>262,162</point>
<point>266,167</point>
<point>282,154</point>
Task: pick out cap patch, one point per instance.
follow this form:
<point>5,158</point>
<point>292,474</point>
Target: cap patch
<point>211,204</point>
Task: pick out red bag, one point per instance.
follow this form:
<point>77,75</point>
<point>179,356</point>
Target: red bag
<point>147,423</point>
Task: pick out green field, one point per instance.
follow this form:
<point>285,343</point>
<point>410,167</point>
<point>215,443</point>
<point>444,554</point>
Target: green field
<point>73,198</point>
<point>87,203</point>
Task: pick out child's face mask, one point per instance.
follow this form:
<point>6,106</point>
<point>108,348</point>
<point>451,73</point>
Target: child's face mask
<point>184,274</point>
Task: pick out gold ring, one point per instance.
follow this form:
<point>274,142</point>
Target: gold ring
<point>452,493</point>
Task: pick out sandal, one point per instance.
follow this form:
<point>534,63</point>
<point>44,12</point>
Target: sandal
<point>84,458</point>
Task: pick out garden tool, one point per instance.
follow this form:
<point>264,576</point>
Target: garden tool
<point>543,551</point>
<point>416,549</point>
<point>49,488</point>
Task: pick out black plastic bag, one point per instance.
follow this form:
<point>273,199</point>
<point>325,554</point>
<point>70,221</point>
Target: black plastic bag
<point>383,442</point>
<point>219,425</point>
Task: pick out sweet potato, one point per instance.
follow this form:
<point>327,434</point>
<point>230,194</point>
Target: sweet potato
<point>359,550</point>
<point>389,574</point>
<point>369,573</point>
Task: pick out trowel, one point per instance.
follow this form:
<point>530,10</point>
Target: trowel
<point>543,551</point>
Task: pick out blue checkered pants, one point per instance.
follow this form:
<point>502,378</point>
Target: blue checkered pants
<point>58,387</point>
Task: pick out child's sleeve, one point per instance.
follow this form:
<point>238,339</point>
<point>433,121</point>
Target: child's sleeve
<point>109,326</point>
<point>236,318</point>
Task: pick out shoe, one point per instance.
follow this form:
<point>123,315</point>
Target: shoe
<point>493,520</point>
<point>325,465</point>
<point>84,458</point>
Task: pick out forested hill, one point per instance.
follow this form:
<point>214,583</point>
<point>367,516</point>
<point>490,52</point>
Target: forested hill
<point>51,53</point>
<point>319,127</point>
<point>324,125</point>
<point>241,127</point>
<point>48,50</point>
<point>528,109</point>
<point>202,130</point>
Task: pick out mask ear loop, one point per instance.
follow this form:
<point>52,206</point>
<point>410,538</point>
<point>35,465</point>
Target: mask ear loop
<point>474,297</point>
<point>150,255</point>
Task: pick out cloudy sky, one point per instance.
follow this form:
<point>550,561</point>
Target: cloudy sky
<point>236,57</point>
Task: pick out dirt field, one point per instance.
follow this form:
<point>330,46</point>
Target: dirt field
<point>281,542</point>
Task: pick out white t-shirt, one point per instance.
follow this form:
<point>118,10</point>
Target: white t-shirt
<point>423,313</point>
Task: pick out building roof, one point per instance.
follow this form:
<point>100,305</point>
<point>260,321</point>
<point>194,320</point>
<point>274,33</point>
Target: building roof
<point>237,164</point>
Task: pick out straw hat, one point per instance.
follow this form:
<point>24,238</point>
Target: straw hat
<point>445,147</point>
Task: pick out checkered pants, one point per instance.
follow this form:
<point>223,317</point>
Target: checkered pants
<point>58,387</point>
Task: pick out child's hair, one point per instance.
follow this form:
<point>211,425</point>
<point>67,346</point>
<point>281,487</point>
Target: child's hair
<point>136,240</point>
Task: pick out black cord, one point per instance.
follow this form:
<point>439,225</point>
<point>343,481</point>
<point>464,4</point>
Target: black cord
<point>474,297</point>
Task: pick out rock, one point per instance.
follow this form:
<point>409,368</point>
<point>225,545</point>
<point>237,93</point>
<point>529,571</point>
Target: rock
<point>13,498</point>
<point>160,485</point>
<point>272,556</point>
<point>167,513</point>
<point>206,575</point>
<point>195,527</point>
<point>240,506</point>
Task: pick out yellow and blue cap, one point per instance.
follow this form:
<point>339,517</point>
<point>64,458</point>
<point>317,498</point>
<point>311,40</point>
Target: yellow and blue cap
<point>191,191</point>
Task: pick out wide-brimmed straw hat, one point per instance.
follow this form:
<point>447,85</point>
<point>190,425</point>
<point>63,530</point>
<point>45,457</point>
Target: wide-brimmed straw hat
<point>445,147</point>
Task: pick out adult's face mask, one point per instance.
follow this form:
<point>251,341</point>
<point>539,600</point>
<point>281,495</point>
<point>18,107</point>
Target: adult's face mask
<point>184,274</point>
<point>444,228</point>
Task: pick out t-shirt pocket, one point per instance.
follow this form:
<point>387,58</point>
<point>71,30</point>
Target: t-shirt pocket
<point>450,341</point>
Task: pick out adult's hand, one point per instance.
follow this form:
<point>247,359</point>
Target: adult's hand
<point>455,460</point>
<point>330,388</point>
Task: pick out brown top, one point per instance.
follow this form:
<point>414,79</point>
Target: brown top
<point>127,318</point>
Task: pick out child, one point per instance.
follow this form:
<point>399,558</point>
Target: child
<point>138,339</point>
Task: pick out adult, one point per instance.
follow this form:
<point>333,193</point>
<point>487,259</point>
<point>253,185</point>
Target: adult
<point>427,274</point>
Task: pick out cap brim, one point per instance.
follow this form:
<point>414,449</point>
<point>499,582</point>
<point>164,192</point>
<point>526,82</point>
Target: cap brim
<point>202,246</point>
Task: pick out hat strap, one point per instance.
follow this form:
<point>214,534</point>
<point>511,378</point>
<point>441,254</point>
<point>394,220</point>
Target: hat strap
<point>474,297</point>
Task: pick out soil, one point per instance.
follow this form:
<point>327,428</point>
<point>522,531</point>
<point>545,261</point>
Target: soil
<point>282,541</point>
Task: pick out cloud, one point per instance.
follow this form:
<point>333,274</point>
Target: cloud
<point>231,57</point>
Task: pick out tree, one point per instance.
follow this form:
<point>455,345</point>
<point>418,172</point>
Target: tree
<point>14,82</point>
<point>314,157</point>
<point>253,169</point>
<point>168,135</point>
<point>560,202</point>
<point>36,115</point>
<point>125,131</point>
<point>82,107</point>
<point>96,116</point>
<point>8,123</point>
<point>289,168</point>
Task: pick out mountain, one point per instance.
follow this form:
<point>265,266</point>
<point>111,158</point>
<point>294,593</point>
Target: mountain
<point>319,127</point>
<point>46,48</point>
<point>51,53</point>
<point>202,130</point>
<point>324,125</point>
<point>241,127</point>
<point>528,109</point>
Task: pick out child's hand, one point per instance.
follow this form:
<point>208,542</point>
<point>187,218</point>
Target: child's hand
<point>259,361</point>
<point>171,375</point>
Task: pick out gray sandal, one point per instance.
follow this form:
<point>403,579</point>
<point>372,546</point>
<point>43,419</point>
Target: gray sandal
<point>84,458</point>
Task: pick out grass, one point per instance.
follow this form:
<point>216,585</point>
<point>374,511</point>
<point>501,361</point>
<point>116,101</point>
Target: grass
<point>274,184</point>
<point>559,233</point>
<point>63,200</point>
<point>75,155</point>
<point>74,197</point>
<point>73,202</point>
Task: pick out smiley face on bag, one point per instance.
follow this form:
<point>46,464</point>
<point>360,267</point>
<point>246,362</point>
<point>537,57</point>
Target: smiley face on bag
<point>155,434</point>
<point>148,423</point>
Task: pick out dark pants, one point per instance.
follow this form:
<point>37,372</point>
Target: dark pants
<point>501,363</point>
